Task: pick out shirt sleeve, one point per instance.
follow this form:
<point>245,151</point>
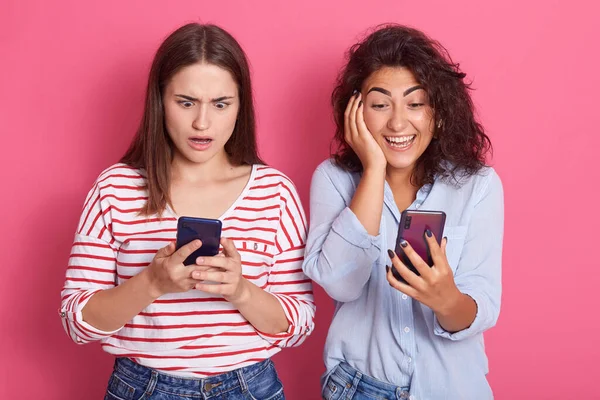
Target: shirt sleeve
<point>91,268</point>
<point>479,270</point>
<point>287,282</point>
<point>340,253</point>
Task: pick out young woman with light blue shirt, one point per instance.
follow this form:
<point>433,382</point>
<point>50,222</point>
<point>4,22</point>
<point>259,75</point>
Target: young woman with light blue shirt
<point>407,139</point>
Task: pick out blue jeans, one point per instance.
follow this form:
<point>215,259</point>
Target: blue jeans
<point>344,382</point>
<point>131,381</point>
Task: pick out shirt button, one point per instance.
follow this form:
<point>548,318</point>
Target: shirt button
<point>63,314</point>
<point>404,297</point>
<point>409,359</point>
<point>407,329</point>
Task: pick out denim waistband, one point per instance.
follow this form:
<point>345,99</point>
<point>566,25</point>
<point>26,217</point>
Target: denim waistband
<point>369,384</point>
<point>209,386</point>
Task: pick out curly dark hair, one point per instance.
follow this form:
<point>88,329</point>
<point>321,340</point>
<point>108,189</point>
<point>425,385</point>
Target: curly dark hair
<point>460,145</point>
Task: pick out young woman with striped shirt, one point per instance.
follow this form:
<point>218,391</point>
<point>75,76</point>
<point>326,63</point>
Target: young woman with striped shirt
<point>174,334</point>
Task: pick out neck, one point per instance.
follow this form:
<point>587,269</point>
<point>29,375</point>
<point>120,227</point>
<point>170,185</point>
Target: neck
<point>212,170</point>
<point>399,177</point>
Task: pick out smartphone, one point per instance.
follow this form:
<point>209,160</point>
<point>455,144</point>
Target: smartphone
<point>207,230</point>
<point>413,224</point>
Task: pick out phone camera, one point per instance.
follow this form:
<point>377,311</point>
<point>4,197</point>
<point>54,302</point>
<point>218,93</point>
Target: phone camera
<point>407,222</point>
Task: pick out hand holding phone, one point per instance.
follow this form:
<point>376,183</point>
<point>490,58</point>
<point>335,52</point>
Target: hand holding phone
<point>412,228</point>
<point>428,278</point>
<point>208,231</point>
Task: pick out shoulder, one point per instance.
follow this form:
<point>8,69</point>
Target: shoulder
<point>477,185</point>
<point>329,179</point>
<point>485,181</point>
<point>329,170</point>
<point>121,174</point>
<point>120,180</point>
<point>266,176</point>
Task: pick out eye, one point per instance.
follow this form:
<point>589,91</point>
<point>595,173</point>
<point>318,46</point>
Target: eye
<point>416,105</point>
<point>186,103</point>
<point>221,105</point>
<point>378,106</point>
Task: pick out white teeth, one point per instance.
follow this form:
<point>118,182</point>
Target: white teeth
<point>400,141</point>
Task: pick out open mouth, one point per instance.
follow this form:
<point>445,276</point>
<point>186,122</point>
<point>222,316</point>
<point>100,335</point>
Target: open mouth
<point>400,142</point>
<point>200,140</point>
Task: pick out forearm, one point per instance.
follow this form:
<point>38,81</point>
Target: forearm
<point>110,309</point>
<point>261,309</point>
<point>367,203</point>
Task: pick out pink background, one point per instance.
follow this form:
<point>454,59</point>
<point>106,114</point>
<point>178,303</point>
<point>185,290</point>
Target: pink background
<point>72,77</point>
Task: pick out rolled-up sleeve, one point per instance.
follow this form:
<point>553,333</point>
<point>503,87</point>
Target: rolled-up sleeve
<point>479,270</point>
<point>340,252</point>
<point>92,268</point>
<point>287,282</point>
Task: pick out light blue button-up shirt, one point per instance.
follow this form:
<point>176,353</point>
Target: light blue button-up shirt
<point>378,330</point>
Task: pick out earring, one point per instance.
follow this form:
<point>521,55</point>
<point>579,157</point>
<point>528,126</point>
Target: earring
<point>439,124</point>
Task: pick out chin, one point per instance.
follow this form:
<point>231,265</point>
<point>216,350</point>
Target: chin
<point>404,161</point>
<point>195,157</point>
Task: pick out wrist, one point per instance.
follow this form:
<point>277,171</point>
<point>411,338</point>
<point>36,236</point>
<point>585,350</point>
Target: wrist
<point>242,295</point>
<point>450,305</point>
<point>150,284</point>
<point>375,170</point>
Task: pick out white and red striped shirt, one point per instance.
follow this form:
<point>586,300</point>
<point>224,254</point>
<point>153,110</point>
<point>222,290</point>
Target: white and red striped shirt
<point>190,334</point>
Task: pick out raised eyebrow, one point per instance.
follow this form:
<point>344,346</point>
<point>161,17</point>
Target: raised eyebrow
<point>380,90</point>
<point>189,98</point>
<point>219,99</point>
<point>412,89</point>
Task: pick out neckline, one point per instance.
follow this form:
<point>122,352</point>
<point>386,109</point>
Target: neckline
<point>236,202</point>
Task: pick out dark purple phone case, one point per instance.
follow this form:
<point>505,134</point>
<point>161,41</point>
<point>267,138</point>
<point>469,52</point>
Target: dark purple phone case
<point>207,230</point>
<point>413,224</point>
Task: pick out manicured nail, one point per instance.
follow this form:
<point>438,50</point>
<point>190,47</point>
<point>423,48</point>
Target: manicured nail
<point>403,243</point>
<point>360,103</point>
<point>354,93</point>
<point>445,238</point>
<point>428,233</point>
<point>199,260</point>
<point>391,254</point>
<point>387,269</point>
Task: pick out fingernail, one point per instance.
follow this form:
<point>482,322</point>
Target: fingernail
<point>445,238</point>
<point>360,103</point>
<point>403,243</point>
<point>196,275</point>
<point>387,269</point>
<point>428,233</point>
<point>391,254</point>
<point>354,92</point>
<point>199,260</point>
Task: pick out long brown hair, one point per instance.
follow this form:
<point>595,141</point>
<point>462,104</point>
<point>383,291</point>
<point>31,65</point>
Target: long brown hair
<point>460,145</point>
<point>152,148</point>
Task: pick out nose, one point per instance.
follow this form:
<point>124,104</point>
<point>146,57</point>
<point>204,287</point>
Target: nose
<point>398,120</point>
<point>202,120</point>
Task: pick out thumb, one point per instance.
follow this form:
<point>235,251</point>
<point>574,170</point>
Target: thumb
<point>229,249</point>
<point>166,251</point>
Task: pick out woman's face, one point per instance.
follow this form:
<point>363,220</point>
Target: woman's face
<point>398,115</point>
<point>201,104</point>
